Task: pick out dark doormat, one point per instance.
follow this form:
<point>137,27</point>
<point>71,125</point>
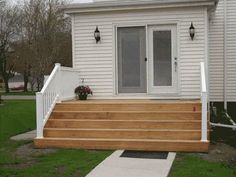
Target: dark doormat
<point>145,154</point>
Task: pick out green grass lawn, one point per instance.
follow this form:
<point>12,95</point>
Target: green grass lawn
<point>61,163</point>
<point>187,165</point>
<point>20,93</point>
<point>16,117</point>
<point>19,116</point>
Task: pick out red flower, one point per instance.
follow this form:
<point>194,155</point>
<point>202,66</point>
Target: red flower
<point>83,90</point>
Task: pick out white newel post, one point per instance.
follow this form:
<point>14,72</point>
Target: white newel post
<point>58,84</point>
<point>204,117</point>
<point>204,101</point>
<point>39,110</point>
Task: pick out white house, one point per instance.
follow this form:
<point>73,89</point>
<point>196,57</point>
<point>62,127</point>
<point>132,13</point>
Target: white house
<point>153,64</point>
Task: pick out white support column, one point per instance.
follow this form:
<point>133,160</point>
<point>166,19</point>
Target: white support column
<point>58,84</point>
<point>204,117</point>
<point>204,101</point>
<point>39,109</point>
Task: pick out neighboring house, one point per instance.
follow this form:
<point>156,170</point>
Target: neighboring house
<point>16,82</point>
<point>159,62</point>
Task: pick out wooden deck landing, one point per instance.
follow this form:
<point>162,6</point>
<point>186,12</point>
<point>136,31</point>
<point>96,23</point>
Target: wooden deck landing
<point>133,101</point>
<point>155,125</point>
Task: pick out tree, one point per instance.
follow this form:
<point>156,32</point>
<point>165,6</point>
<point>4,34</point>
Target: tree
<point>45,39</point>
<point>9,17</point>
<point>2,2</point>
<point>24,61</point>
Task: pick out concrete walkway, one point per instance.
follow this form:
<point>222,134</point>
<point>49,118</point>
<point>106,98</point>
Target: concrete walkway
<point>116,166</point>
<point>25,136</point>
<point>18,97</point>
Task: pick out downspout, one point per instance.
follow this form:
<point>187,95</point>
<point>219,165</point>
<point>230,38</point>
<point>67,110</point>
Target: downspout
<point>225,55</point>
<point>233,124</point>
<point>73,39</point>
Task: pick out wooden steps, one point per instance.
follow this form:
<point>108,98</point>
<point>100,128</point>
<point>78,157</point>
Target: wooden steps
<point>128,115</point>
<point>123,133</point>
<point>140,144</point>
<point>134,106</point>
<point>125,124</point>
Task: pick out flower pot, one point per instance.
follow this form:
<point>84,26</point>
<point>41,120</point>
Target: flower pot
<point>83,97</point>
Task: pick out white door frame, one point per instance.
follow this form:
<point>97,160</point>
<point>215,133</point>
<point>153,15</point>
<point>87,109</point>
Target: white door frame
<point>115,58</point>
<point>163,90</point>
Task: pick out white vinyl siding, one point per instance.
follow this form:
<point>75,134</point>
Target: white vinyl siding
<point>216,53</point>
<point>96,62</point>
<point>216,57</point>
<point>231,50</point>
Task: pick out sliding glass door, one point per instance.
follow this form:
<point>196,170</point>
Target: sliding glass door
<point>131,60</point>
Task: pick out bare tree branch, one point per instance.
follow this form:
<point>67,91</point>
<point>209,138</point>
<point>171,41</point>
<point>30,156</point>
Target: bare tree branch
<point>45,39</point>
<point>9,16</point>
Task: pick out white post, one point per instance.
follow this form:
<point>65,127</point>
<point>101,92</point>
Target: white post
<point>39,109</point>
<point>58,84</point>
<point>204,100</point>
<point>204,117</point>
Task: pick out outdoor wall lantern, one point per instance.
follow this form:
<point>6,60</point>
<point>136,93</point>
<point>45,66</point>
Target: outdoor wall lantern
<point>192,31</point>
<point>97,35</point>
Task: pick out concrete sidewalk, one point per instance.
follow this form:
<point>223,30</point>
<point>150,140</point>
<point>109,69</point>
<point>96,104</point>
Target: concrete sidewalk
<point>116,166</point>
<point>25,136</point>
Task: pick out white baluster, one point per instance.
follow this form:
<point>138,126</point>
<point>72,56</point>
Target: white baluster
<point>55,90</point>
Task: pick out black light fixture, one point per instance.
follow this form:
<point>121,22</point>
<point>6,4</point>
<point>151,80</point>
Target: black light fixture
<point>192,31</point>
<point>97,35</point>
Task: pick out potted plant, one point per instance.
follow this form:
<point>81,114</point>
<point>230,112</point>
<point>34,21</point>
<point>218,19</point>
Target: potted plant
<point>82,92</point>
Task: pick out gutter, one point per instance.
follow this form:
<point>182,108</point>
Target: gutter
<point>225,55</point>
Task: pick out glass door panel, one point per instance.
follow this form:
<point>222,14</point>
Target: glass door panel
<point>131,60</point>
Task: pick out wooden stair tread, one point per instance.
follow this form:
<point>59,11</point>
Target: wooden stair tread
<point>134,105</point>
<point>116,139</point>
<point>127,124</point>
<point>128,144</point>
<point>125,120</point>
<point>117,101</point>
<point>162,112</point>
<point>107,129</point>
<point>127,115</point>
<point>167,134</point>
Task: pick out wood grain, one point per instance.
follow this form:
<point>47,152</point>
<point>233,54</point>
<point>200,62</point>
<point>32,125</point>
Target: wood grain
<point>151,125</point>
<point>128,144</point>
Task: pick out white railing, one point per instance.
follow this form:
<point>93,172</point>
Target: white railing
<point>59,87</point>
<point>204,101</point>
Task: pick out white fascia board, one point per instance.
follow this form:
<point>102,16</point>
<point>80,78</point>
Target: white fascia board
<point>103,7</point>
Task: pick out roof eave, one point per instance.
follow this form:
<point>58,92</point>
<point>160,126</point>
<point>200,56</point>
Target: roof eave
<point>70,9</point>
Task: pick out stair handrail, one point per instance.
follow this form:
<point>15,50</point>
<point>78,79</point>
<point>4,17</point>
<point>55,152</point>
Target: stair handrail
<point>204,101</point>
<point>58,87</point>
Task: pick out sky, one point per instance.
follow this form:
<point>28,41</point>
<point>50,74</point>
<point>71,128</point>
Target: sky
<point>73,1</point>
<point>82,1</point>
